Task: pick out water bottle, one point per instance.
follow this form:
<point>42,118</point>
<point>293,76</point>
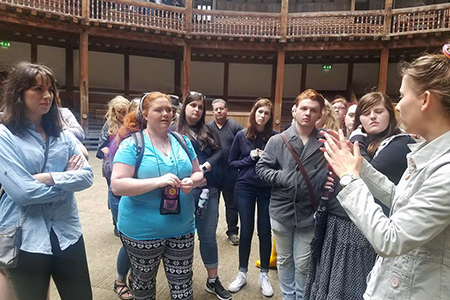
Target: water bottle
<point>202,203</point>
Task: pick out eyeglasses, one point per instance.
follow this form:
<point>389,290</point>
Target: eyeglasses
<point>197,94</point>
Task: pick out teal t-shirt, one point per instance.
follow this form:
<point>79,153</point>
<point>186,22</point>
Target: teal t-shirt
<point>139,216</point>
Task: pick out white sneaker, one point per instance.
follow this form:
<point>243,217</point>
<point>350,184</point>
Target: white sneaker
<point>238,283</point>
<point>266,287</point>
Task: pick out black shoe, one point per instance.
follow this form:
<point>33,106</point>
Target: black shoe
<point>217,289</point>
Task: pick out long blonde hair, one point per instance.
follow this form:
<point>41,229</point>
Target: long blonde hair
<point>114,105</point>
<point>332,121</point>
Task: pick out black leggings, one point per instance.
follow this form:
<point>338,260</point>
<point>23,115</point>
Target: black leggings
<point>31,278</point>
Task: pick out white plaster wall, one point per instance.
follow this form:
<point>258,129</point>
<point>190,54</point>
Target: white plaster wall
<point>331,80</point>
<point>106,70</point>
<point>207,77</point>
<point>55,59</point>
<point>365,78</point>
<point>151,74</point>
<point>393,81</point>
<point>14,54</point>
<point>250,80</point>
<point>292,80</point>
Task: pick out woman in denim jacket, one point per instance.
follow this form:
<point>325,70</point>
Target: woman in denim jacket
<point>413,243</point>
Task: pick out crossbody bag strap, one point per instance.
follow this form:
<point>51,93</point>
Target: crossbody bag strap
<point>47,146</point>
<point>302,170</point>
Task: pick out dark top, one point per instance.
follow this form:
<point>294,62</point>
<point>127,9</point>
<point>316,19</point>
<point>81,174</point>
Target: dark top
<point>391,161</point>
<point>240,159</point>
<point>226,135</point>
<point>214,157</point>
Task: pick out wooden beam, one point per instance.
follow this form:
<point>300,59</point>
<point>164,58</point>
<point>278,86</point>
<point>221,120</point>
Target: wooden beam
<point>186,70</point>
<point>274,81</point>
<point>69,73</point>
<point>353,5</point>
<point>383,72</point>
<point>126,65</point>
<point>284,19</point>
<point>85,9</point>
<point>177,76</point>
<point>303,78</point>
<point>34,51</point>
<point>188,18</point>
<point>387,16</point>
<point>350,77</point>
<point>226,77</point>
<point>84,79</point>
<point>279,90</point>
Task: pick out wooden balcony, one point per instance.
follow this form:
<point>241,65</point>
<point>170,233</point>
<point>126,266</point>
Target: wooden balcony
<point>225,24</point>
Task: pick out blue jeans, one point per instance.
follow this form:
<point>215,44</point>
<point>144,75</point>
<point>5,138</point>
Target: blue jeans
<point>293,255</point>
<point>246,200</point>
<point>207,227</point>
<point>123,262</point>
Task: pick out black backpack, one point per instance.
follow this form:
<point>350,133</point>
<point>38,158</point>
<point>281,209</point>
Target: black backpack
<point>138,138</point>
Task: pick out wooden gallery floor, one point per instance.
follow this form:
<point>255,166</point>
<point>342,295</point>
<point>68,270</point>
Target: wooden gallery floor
<point>102,247</point>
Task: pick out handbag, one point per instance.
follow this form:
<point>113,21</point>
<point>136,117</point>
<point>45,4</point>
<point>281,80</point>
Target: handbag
<point>321,212</point>
<point>11,238</point>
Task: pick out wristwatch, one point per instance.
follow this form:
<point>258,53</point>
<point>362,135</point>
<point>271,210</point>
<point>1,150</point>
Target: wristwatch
<point>204,168</point>
<point>347,179</point>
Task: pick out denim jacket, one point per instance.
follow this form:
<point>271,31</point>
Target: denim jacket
<point>413,243</point>
<point>51,207</point>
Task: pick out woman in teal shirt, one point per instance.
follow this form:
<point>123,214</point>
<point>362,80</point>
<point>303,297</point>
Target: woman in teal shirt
<point>151,230</point>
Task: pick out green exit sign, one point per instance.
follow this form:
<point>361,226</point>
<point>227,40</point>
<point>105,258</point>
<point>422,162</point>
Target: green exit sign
<point>327,67</point>
<point>5,44</point>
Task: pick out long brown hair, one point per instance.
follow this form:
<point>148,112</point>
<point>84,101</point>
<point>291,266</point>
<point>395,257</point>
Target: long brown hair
<point>365,104</point>
<point>204,136</point>
<point>252,132</point>
<point>21,78</point>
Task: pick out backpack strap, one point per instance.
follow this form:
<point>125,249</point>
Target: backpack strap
<point>139,141</point>
<point>181,141</point>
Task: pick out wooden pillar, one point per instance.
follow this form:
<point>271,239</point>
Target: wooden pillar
<point>284,19</point>
<point>382,75</point>
<point>186,70</point>
<point>188,18</point>
<point>350,77</point>
<point>126,65</point>
<point>279,89</point>
<point>69,73</point>
<point>177,75</point>
<point>84,79</point>
<point>34,50</point>
<point>85,9</point>
<point>303,79</point>
<point>226,77</point>
<point>352,5</point>
<point>274,81</point>
<point>387,16</point>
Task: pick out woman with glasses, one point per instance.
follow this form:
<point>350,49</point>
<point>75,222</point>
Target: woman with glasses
<point>413,241</point>
<point>156,211</point>
<point>191,123</point>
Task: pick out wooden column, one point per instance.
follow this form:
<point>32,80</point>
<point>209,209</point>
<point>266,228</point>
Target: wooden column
<point>387,16</point>
<point>274,81</point>
<point>279,89</point>
<point>126,69</point>
<point>303,79</point>
<point>85,9</point>
<point>34,50</point>
<point>84,79</point>
<point>382,75</point>
<point>284,19</point>
<point>352,5</point>
<point>226,77</point>
<point>69,73</point>
<point>350,77</point>
<point>177,76</point>
<point>186,70</point>
<point>188,18</point>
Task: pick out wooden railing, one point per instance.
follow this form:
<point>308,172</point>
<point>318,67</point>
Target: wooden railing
<point>239,24</point>
<point>335,24</point>
<point>422,19</point>
<point>425,19</point>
